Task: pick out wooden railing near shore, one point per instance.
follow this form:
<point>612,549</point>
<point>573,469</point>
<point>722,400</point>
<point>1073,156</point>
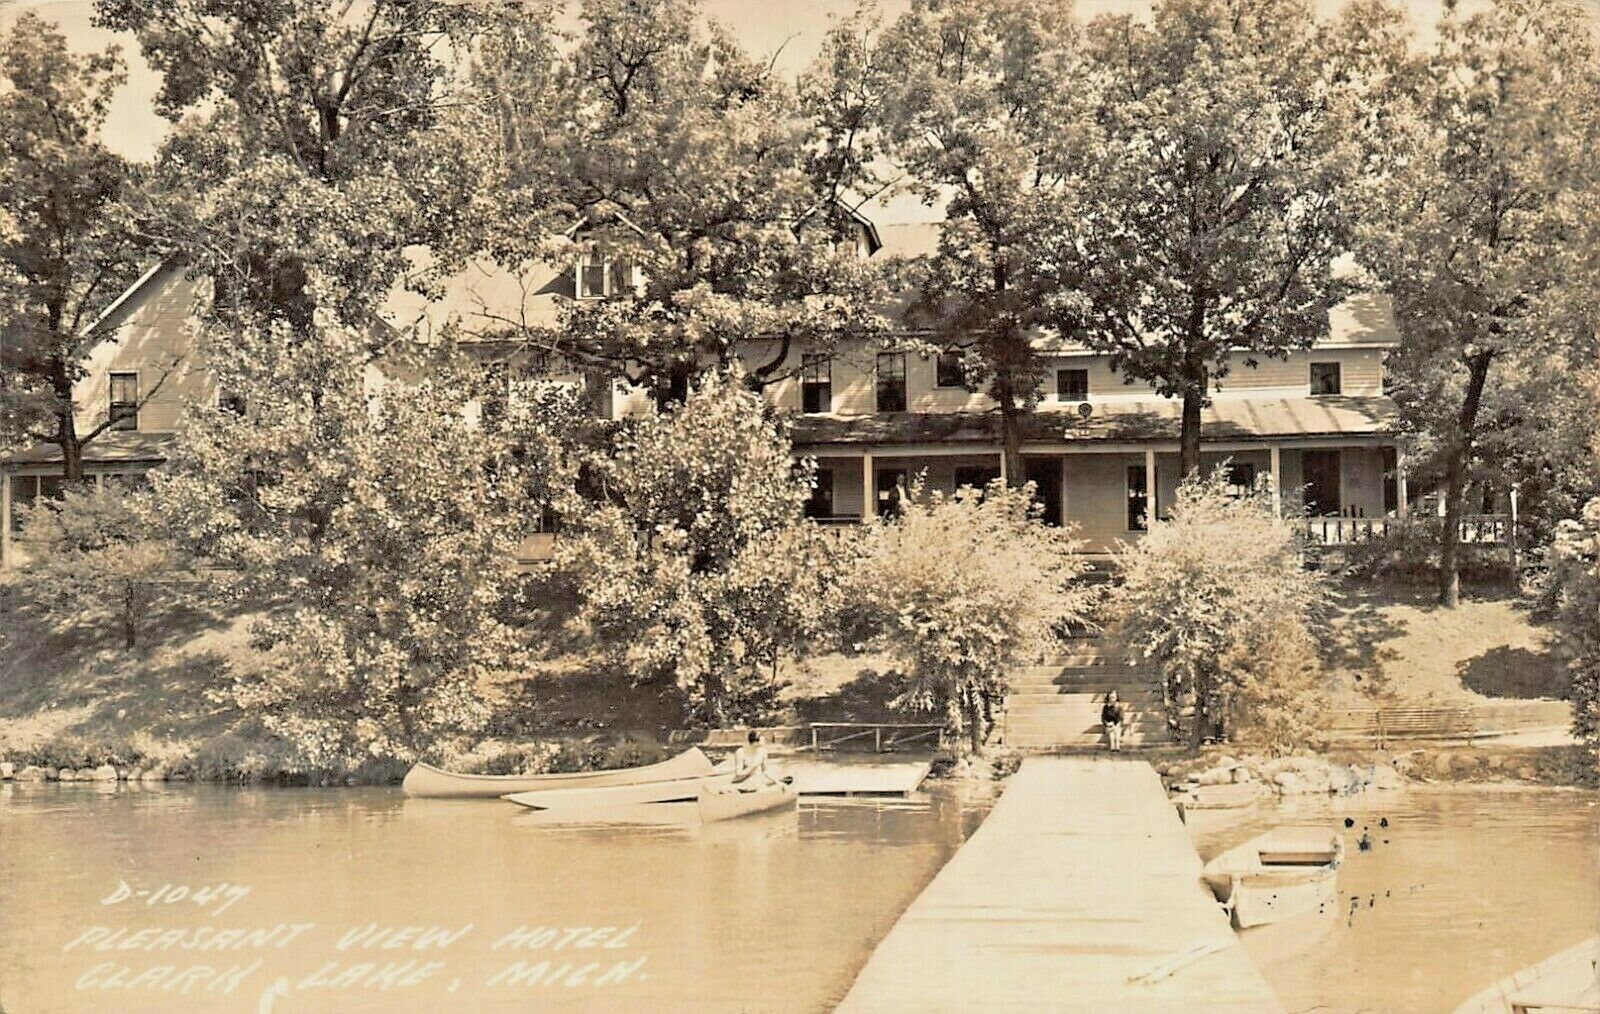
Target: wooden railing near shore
<point>900,734</point>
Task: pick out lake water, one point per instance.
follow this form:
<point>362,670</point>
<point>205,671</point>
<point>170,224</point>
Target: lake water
<point>1462,888</point>
<point>760,914</point>
<point>649,910</point>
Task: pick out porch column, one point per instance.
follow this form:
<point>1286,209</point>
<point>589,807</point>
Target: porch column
<point>1401,494</point>
<point>869,495</point>
<point>1064,514</point>
<point>1005,480</point>
<point>5,518</point>
<point>1152,506</point>
<point>1277,480</point>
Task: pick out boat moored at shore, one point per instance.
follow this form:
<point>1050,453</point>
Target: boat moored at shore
<point>716,805</point>
<point>424,781</point>
<point>1566,982</point>
<point>1275,876</point>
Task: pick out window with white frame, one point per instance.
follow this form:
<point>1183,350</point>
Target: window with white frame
<point>601,276</point>
<point>816,383</point>
<point>1072,385</point>
<point>1325,378</point>
<point>124,405</point>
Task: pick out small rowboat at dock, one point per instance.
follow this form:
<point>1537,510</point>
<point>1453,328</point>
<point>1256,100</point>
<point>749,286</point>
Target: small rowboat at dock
<point>425,781</point>
<point>728,805</point>
<point>1275,876</point>
<point>1565,982</point>
<point>669,790</point>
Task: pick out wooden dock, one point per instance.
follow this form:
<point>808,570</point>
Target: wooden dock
<point>1081,891</point>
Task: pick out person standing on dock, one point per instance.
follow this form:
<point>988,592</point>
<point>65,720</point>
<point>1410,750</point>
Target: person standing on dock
<point>1111,716</point>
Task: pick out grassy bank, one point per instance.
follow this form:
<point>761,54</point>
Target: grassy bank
<point>74,697</point>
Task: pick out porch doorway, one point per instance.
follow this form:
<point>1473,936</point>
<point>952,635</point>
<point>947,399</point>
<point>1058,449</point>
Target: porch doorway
<point>1045,474</point>
<point>889,482</point>
<point>1319,470</point>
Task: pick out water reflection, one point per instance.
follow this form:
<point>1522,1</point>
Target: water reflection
<point>774,912</point>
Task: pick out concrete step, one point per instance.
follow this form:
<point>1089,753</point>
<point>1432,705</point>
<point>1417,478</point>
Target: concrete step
<point>1077,727</point>
<point>1083,684</point>
<point>1071,707</point>
<point>1132,741</point>
<point>1086,664</point>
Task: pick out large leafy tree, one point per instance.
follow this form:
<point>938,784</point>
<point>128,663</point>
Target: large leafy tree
<point>311,136</point>
<point>68,244</point>
<point>1478,229</point>
<point>650,141</point>
<point>1212,193</point>
<point>977,104</point>
<point>375,526</point>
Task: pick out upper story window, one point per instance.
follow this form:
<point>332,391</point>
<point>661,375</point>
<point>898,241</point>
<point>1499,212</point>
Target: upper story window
<point>891,386</point>
<point>1072,385</point>
<point>124,409</point>
<point>816,383</point>
<point>947,369</point>
<point>599,276</point>
<point>231,403</point>
<point>1325,378</point>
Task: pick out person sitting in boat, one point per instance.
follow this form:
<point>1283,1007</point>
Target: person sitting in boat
<point>1112,716</point>
<point>750,765</point>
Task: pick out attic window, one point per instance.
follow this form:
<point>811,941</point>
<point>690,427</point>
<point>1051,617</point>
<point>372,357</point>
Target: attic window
<point>601,277</point>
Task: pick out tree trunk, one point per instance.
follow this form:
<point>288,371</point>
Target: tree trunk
<point>66,424</point>
<point>1455,497</point>
<point>1196,380</point>
<point>130,618</point>
<point>1189,435</point>
<point>1011,443</point>
<point>975,725</point>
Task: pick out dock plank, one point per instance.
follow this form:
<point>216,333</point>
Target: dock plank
<point>1080,891</point>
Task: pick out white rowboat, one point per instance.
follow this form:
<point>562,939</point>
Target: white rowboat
<point>670,790</point>
<point>1567,981</point>
<point>1277,875</point>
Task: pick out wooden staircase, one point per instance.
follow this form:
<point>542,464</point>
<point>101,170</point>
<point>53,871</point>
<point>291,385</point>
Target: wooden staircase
<point>1055,708</point>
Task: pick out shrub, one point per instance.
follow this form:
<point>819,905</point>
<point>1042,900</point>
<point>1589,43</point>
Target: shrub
<point>960,589</point>
<point>1220,599</point>
<point>1575,581</point>
<point>99,558</point>
<point>698,566</point>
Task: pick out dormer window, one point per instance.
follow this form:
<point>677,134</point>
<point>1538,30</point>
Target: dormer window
<point>1325,378</point>
<point>600,277</point>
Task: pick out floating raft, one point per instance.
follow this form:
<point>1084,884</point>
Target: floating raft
<point>850,776</point>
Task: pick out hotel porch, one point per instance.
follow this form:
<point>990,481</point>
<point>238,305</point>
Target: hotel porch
<point>1348,489</point>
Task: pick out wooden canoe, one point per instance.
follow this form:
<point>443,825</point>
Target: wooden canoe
<point>667,790</point>
<point>1283,873</point>
<point>728,805</point>
<point>424,781</point>
<point>1567,981</point>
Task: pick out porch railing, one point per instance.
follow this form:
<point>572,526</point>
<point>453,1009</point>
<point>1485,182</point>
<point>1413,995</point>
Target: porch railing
<point>1476,529</point>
